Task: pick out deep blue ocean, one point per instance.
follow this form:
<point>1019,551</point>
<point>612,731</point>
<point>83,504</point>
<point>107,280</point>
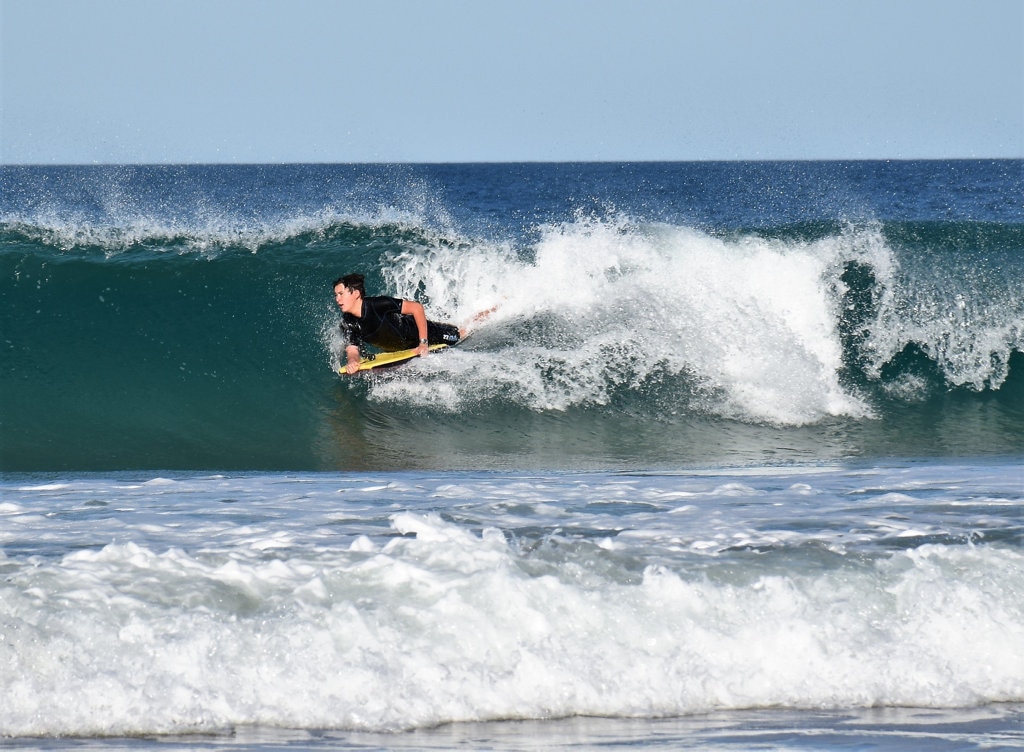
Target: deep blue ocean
<point>737,460</point>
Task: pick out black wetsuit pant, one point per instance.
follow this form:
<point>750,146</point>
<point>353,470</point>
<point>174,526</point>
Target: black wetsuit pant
<point>442,334</point>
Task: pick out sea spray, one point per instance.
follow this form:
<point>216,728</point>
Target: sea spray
<point>752,324</point>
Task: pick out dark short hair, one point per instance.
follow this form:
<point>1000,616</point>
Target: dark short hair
<point>352,282</point>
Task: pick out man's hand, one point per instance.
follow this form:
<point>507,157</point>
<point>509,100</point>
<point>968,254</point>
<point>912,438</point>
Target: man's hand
<point>352,356</point>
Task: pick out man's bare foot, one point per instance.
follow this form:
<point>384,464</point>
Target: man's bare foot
<point>476,320</point>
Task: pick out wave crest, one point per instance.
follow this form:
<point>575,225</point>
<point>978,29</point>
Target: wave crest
<point>786,330</point>
<point>749,325</point>
<point>311,232</point>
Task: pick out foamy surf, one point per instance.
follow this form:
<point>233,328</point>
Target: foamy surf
<point>750,326</point>
<point>388,602</point>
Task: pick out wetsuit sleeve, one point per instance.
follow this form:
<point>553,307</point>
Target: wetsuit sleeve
<point>351,330</point>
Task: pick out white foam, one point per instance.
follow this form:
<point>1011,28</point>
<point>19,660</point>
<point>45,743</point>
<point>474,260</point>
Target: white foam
<point>421,599</point>
<point>446,625</point>
<point>966,319</point>
<point>751,324</point>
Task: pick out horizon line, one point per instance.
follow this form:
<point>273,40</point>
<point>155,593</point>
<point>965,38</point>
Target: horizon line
<point>371,163</point>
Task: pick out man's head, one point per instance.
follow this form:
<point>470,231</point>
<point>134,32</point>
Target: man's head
<point>348,291</point>
<point>352,282</point>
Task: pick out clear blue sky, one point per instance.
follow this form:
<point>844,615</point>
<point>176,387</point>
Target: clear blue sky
<point>132,81</point>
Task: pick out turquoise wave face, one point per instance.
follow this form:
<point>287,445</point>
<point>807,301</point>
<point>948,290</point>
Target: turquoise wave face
<point>166,357</point>
<point>191,325</point>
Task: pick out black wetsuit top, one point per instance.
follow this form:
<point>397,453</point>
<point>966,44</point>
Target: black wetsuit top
<point>384,326</point>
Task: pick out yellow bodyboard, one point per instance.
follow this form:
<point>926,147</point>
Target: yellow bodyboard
<point>388,359</point>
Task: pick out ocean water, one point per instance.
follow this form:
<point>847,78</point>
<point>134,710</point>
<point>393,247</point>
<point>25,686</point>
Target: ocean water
<point>737,461</point>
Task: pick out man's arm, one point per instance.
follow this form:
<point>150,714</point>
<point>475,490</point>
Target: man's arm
<point>414,309</point>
